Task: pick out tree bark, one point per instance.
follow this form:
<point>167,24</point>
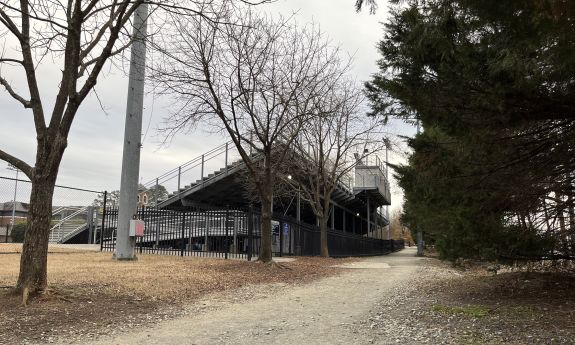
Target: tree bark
<point>33,261</point>
<point>266,220</point>
<point>324,250</point>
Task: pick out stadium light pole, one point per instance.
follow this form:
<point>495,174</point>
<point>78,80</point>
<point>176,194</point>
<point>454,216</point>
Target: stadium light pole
<point>125,244</point>
<point>13,168</point>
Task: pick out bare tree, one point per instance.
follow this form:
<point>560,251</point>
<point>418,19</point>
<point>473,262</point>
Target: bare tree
<point>331,144</point>
<point>397,230</point>
<point>253,76</point>
<point>81,36</point>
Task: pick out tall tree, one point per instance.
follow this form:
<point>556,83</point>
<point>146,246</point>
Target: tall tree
<point>492,84</point>
<point>157,193</point>
<point>80,36</point>
<point>112,199</point>
<point>255,77</point>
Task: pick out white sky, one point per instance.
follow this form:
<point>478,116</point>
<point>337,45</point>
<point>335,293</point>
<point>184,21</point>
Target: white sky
<point>94,154</point>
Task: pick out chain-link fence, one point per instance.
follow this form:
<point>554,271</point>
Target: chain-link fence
<point>75,212</point>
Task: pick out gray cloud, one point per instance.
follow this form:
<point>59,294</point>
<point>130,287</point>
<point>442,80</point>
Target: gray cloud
<point>93,158</point>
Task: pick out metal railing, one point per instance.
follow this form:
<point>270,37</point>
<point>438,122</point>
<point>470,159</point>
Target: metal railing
<point>221,160</point>
<point>69,224</point>
<point>217,161</point>
<point>372,176</point>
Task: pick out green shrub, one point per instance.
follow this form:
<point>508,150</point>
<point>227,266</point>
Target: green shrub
<point>18,232</point>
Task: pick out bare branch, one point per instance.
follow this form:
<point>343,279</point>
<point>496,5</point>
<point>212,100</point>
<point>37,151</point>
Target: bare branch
<point>20,164</point>
<point>24,102</point>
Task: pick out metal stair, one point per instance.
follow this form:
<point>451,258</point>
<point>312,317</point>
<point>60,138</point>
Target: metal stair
<point>68,226</point>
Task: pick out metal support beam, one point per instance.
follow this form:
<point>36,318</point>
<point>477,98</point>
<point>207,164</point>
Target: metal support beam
<point>202,172</point>
<point>179,185</point>
<point>332,208</point>
<point>368,218</point>
<point>250,231</point>
<point>227,144</point>
<point>298,217</point>
<point>419,232</point>
<point>90,221</point>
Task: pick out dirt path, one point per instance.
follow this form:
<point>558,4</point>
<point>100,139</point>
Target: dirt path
<point>327,311</point>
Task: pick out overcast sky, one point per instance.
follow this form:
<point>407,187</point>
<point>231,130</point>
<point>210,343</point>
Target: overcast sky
<point>94,154</point>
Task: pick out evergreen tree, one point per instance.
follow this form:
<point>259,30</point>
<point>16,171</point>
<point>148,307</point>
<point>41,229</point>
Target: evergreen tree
<point>492,83</point>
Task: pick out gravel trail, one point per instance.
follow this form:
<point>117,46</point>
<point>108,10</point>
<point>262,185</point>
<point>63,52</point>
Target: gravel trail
<point>328,311</point>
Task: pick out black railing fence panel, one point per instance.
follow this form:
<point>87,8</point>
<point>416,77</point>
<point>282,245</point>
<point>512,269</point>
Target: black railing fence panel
<point>234,233</point>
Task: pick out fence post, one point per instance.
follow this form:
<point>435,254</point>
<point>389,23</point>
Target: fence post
<point>300,244</point>
<point>183,233</point>
<point>206,231</point>
<point>227,241</point>
<point>157,217</point>
<point>236,226</point>
<point>281,233</point>
<point>290,235</point>
<point>103,221</point>
<point>90,222</point>
<point>250,231</point>
<point>179,184</point>
<point>313,242</point>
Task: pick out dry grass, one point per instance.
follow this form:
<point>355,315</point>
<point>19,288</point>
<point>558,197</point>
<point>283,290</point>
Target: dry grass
<point>89,289</point>
<point>164,278</point>
<point>16,248</point>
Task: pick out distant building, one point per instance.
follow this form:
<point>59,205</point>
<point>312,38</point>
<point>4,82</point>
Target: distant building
<point>20,215</point>
<point>143,197</point>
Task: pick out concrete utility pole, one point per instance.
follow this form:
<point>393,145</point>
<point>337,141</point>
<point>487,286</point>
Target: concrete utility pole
<point>132,137</point>
<point>419,232</point>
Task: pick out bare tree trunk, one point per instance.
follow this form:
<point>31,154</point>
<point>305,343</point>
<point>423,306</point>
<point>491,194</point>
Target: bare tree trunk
<point>33,261</point>
<point>266,220</point>
<point>570,227</point>
<point>324,250</point>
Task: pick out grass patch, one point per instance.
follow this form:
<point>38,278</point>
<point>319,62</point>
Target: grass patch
<point>476,311</point>
<point>521,311</point>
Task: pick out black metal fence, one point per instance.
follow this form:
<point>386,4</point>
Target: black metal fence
<point>192,231</point>
<point>304,239</point>
<point>234,234</point>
